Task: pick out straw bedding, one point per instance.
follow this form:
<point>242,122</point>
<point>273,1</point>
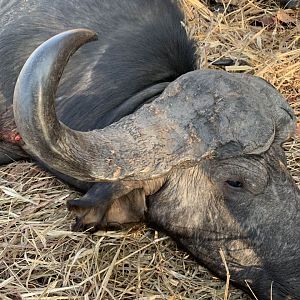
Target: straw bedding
<point>40,258</point>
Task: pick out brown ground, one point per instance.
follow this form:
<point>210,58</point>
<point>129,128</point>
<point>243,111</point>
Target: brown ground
<point>40,258</point>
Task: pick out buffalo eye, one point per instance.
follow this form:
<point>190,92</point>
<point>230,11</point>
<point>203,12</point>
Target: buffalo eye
<point>234,184</point>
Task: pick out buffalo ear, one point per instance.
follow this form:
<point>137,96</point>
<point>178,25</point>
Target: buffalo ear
<point>119,213</point>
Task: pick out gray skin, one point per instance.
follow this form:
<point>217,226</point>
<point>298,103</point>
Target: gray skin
<point>204,160</point>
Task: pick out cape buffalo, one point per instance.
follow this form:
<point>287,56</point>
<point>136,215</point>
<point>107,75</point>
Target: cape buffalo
<point>197,155</point>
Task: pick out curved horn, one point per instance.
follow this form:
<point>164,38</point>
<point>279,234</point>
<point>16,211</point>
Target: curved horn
<point>201,114</point>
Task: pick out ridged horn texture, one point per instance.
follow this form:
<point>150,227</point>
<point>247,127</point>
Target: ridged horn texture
<point>203,114</point>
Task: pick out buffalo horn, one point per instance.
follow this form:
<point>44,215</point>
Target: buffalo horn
<point>201,115</point>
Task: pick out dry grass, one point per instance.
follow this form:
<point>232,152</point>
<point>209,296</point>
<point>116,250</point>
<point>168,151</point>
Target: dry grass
<point>41,259</point>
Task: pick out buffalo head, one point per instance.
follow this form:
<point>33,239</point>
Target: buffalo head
<point>206,153</point>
